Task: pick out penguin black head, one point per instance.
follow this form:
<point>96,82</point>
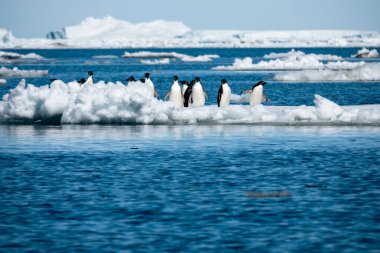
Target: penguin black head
<point>197,79</point>
<point>82,81</point>
<point>131,79</point>
<point>223,81</point>
<point>90,73</point>
<point>175,78</point>
<point>147,75</point>
<point>53,79</point>
<point>192,83</point>
<point>143,80</point>
<point>258,84</point>
<point>184,82</point>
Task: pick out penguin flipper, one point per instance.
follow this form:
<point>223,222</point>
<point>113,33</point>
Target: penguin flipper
<point>220,92</point>
<point>167,95</point>
<point>156,94</point>
<point>264,98</point>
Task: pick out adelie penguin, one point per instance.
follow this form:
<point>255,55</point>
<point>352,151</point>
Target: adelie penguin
<point>257,97</point>
<point>175,94</point>
<point>224,94</point>
<point>89,80</point>
<point>198,95</point>
<point>185,84</point>
<point>187,95</point>
<point>150,83</point>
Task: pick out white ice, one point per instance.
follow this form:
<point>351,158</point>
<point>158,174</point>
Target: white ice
<point>15,72</point>
<point>105,57</point>
<point>294,53</point>
<point>366,53</point>
<point>182,57</point>
<point>156,61</point>
<point>11,56</point>
<point>3,81</point>
<point>362,72</point>
<point>109,32</point>
<point>134,104</point>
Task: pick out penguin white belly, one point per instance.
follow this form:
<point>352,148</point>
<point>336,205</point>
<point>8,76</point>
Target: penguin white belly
<point>184,88</point>
<point>176,96</point>
<point>150,83</point>
<point>198,95</point>
<point>226,96</point>
<point>256,95</point>
<point>89,81</point>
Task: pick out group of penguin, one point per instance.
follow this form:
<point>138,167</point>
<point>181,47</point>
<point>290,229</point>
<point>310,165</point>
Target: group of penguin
<point>193,94</point>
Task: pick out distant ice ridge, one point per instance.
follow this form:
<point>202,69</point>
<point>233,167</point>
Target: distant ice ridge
<point>108,32</point>
<point>134,104</point>
<point>105,57</point>
<point>11,56</point>
<point>156,62</point>
<point>293,60</point>
<point>182,57</point>
<point>15,72</point>
<point>366,53</point>
<point>361,72</point>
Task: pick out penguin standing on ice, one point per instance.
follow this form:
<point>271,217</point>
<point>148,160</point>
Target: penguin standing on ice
<point>224,94</point>
<point>187,95</point>
<point>175,94</point>
<point>150,83</point>
<point>257,96</point>
<point>198,93</point>
<point>89,80</point>
<point>185,84</point>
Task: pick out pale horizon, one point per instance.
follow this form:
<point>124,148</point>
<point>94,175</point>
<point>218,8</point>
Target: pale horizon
<point>26,19</point>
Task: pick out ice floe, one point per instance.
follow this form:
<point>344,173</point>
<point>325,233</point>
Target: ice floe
<point>294,53</point>
<point>182,57</point>
<point>366,53</point>
<point>361,72</point>
<point>134,104</point>
<point>156,61</point>
<point>15,72</point>
<point>105,57</point>
<point>3,81</point>
<point>294,62</point>
<point>11,56</point>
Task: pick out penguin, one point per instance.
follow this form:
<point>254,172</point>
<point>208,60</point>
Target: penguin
<point>131,79</point>
<point>257,93</point>
<point>81,81</point>
<point>187,95</point>
<point>150,83</point>
<point>175,94</point>
<point>89,80</point>
<point>143,80</point>
<point>198,95</point>
<point>185,84</point>
<point>224,94</point>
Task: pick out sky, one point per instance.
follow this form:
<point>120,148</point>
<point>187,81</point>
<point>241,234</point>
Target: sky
<point>35,18</point>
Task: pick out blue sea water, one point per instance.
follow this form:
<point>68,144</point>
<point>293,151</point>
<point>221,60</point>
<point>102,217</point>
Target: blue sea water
<point>191,188</point>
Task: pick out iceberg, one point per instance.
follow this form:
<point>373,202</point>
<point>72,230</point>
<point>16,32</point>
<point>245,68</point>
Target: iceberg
<point>69,103</point>
<point>362,73</point>
<point>15,72</point>
<point>108,32</point>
